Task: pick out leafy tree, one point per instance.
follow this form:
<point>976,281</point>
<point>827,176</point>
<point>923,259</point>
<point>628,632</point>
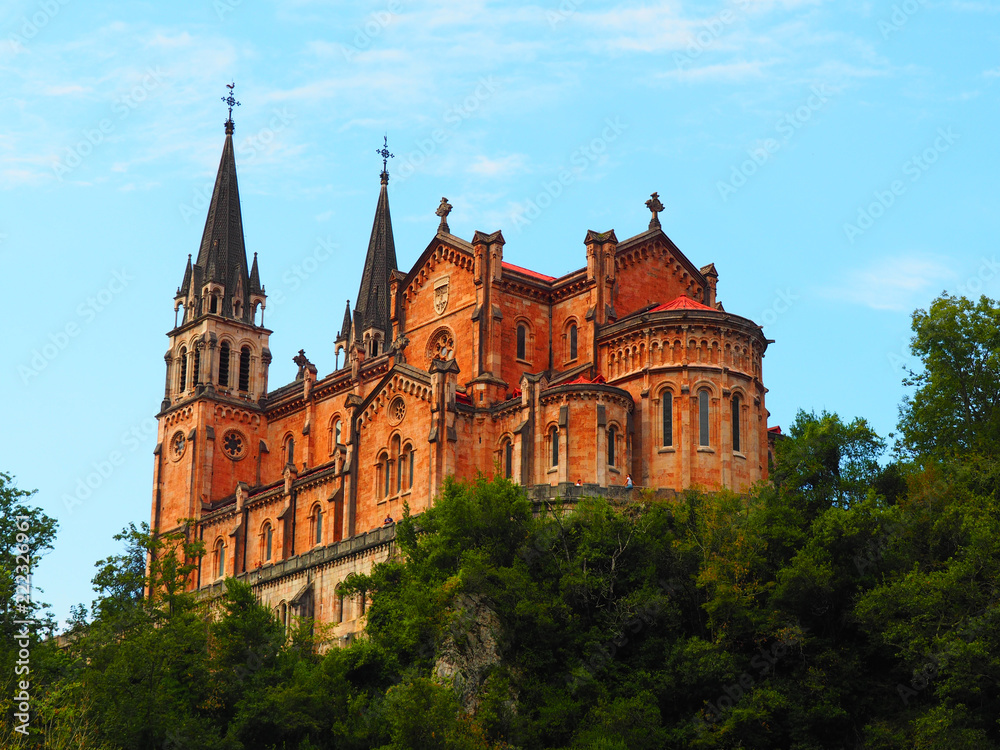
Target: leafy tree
<point>954,409</point>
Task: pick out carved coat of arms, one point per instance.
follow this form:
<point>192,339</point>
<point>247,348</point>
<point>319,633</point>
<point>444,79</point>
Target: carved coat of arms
<point>441,296</point>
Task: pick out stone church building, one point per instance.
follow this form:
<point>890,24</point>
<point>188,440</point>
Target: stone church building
<point>462,363</point>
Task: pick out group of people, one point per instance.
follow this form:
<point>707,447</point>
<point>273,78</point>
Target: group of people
<point>627,483</point>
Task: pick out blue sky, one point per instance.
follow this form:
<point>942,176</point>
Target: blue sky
<point>836,161</point>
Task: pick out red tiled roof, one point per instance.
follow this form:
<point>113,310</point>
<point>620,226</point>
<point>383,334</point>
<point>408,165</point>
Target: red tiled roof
<point>526,272</point>
<point>462,398</point>
<point>682,303</point>
<point>776,430</point>
<point>581,379</point>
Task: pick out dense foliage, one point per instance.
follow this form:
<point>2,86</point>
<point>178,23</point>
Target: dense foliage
<point>845,604</point>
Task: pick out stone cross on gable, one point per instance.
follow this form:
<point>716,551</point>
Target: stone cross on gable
<point>654,205</point>
<point>443,210</point>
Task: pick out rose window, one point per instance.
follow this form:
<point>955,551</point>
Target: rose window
<point>177,445</point>
<point>234,444</point>
<point>397,410</point>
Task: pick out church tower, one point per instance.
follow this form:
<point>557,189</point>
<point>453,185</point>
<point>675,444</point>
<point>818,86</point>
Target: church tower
<point>211,421</point>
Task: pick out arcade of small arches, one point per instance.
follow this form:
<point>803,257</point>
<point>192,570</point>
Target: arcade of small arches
<point>212,299</point>
<point>232,367</point>
<point>394,468</point>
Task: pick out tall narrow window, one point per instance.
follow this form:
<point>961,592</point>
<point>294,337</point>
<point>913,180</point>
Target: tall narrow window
<point>268,541</point>
<point>317,524</point>
<point>290,451</point>
<point>703,418</point>
<point>409,452</point>
<point>555,446</point>
<point>400,471</point>
<point>196,375</point>
<point>220,559</point>
<point>340,607</point>
<point>386,476</point>
<point>245,369</point>
<point>398,453</point>
<point>612,439</point>
<point>224,364</point>
<point>337,427</point>
<point>522,345</point>
<point>182,381</point>
<point>668,419</point>
<point>572,341</point>
<point>736,422</point>
<point>508,459</point>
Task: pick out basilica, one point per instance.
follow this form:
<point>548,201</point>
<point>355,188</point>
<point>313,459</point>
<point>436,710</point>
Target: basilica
<point>625,370</point>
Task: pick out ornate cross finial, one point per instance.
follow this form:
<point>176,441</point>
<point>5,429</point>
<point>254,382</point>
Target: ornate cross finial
<point>384,153</point>
<point>230,102</point>
<point>443,210</point>
<point>654,205</point>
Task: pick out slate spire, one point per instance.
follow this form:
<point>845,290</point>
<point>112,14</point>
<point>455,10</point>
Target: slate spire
<point>371,308</point>
<point>222,256</point>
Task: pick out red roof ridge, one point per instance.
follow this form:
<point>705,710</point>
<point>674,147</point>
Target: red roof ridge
<point>526,272</point>
<point>682,303</point>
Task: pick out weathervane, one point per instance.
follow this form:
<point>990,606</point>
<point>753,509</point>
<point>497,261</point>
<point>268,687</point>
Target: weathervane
<point>231,102</point>
<point>384,153</point>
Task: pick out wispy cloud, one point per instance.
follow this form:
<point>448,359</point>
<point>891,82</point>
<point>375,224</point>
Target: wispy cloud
<point>895,283</point>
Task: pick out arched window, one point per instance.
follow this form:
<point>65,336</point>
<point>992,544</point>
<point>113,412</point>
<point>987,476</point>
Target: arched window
<point>266,541</point>
<point>736,422</point>
<point>410,460</point>
<point>213,305</point>
<point>196,375</point>
<point>283,614</point>
<point>612,440</point>
<point>398,453</point>
<point>340,606</point>
<point>508,458</point>
<point>554,441</point>
<point>182,381</point>
<point>668,418</point>
<point>224,364</point>
<point>522,341</point>
<point>336,428</point>
<point>220,558</point>
<point>316,524</point>
<point>572,341</point>
<point>703,417</point>
<point>245,369</point>
<point>382,474</point>
<point>290,450</point>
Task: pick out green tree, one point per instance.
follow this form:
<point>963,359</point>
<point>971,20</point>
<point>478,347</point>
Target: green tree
<point>954,409</point>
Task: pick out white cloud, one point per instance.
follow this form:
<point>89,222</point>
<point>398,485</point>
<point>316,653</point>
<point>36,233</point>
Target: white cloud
<point>502,167</point>
<point>896,283</point>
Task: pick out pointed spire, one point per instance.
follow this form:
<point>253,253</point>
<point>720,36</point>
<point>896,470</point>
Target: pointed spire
<point>255,287</point>
<point>371,309</point>
<point>185,287</point>
<point>345,327</point>
<point>222,257</point>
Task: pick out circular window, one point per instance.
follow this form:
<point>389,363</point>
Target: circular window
<point>234,444</point>
<point>177,445</point>
<point>397,410</point>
